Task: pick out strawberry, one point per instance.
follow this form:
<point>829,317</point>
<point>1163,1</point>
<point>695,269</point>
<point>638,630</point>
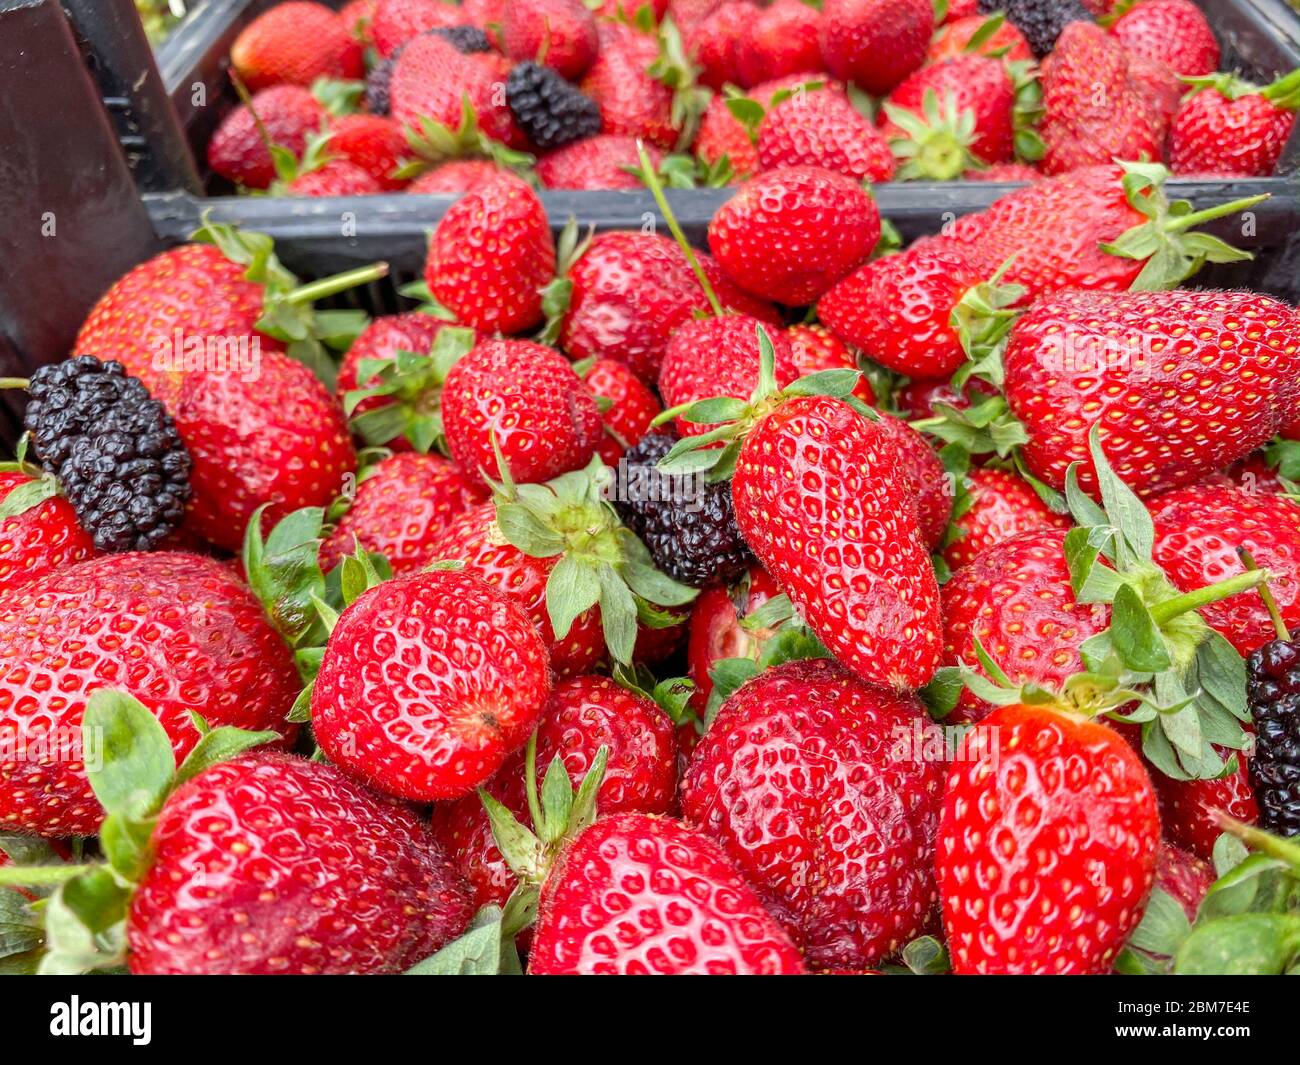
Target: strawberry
<point>582,715</point>
<point>803,780</point>
<point>373,143</point>
<point>821,128</point>
<point>1199,531</point>
<point>456,176</point>
<point>356,16</point>
<point>289,114</point>
<point>783,40</point>
<point>875,43</point>
<point>632,407</point>
<point>998,506</point>
<point>1009,172</point>
<point>427,683</point>
<point>918,399</point>
<point>39,531</point>
<point>318,875</point>
<point>723,136</point>
<point>715,42</point>
<point>814,348</point>
<point>694,912</point>
<point>788,208</point>
<point>1047,845</point>
<point>1162,87</point>
<point>395,22</point>
<point>1188,808</point>
<point>632,290</point>
<point>954,11</point>
<point>1093,109</point>
<point>1228,127</point>
<point>559,33</point>
<point>295,43</point>
<point>1184,877</point>
<point>500,291</point>
<point>926,479</point>
<point>977,34</point>
<point>632,102</point>
<point>600,162</point>
<point>336,177</point>
<point>525,399</point>
<point>717,633</point>
<point>626,10</point>
<point>1175,32</point>
<point>177,631</point>
<point>403,505</point>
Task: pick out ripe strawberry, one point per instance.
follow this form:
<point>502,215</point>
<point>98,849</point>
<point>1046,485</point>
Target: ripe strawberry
<point>356,16</point>
<point>1047,845</point>
<point>927,480</point>
<point>1173,31</point>
<point>999,505</point>
<point>784,39</point>
<point>403,505</point>
<point>395,22</point>
<point>1093,109</point>
<point>1016,600</point>
<point>295,43</point>
<point>1010,172</point>
<point>693,911</point>
<point>289,113</point>
<point>715,41</point>
<point>582,715</point>
<point>1199,530</point>
<point>958,36</point>
<point>626,10</point>
<point>821,128</point>
<point>177,631</point>
<point>814,348</point>
<point>1161,86</point>
<point>336,177</point>
<point>593,163</point>
<point>1183,876</point>
<point>499,291</point>
<point>716,632</point>
<point>373,143</point>
<point>722,135</point>
<point>790,208</point>
<point>710,357</point>
<point>632,407</point>
<point>428,682</point>
<point>1188,807</point>
<point>372,893</point>
<point>559,33</point>
<point>456,176</point>
<point>1175,404</point>
<point>844,544</point>
<point>803,780</point>
<point>875,43</point>
<point>1229,127</point>
<point>917,399</point>
<point>632,102</point>
<point>632,290</point>
<point>38,533</point>
<point>527,399</point>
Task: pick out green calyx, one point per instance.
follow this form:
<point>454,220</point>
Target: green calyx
<point>599,561</point>
<point>84,917</point>
<point>1026,111</point>
<point>434,143</point>
<point>31,495</point>
<point>339,96</point>
<point>1172,252</point>
<point>556,296</point>
<point>1284,93</point>
<point>674,68</point>
<point>287,311</point>
<point>936,144</point>
<point>410,386</point>
<point>734,418</point>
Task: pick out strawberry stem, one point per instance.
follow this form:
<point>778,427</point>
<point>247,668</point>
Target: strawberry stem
<point>1281,849</point>
<point>1187,221</point>
<point>14,382</point>
<point>1163,613</point>
<point>530,781</point>
<point>331,286</point>
<point>1248,560</point>
<point>40,875</point>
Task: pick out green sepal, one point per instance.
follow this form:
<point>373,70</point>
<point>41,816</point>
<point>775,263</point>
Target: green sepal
<point>85,925</point>
<point>338,96</point>
<point>28,497</point>
<point>284,572</point>
<point>936,144</point>
<point>927,956</point>
<point>1248,944</point>
<point>485,949</point>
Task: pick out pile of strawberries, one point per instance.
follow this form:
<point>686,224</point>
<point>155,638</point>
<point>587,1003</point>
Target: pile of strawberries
<point>431,97</point>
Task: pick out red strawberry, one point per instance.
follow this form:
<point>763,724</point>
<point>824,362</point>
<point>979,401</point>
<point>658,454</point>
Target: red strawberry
<point>783,40</point>
<point>36,537</point>
<point>1161,86</point>
<point>1010,172</point>
<point>1175,404</point>
<point>1199,530</point>
<point>315,873</point>
<point>336,177</point>
<point>927,480</point>
<point>530,401</point>
<point>803,780</point>
<point>295,43</point>
<point>632,102</point>
<point>1016,599</point>
<point>1173,31</point>
<point>716,632</point>
<point>917,399</point>
<point>559,33</point>
<point>395,22</point>
<point>600,162</point>
<point>428,682</point>
<point>487,15</point>
<point>822,500</point>
<point>957,10</point>
<point>814,348</point>
<point>693,911</point>
<point>177,631</point>
<point>790,208</point>
<point>875,43</point>
<point>289,113</point>
<point>1188,807</point>
<point>432,80</point>
<point>1183,876</point>
<point>632,290</point>
<point>1232,128</point>
<point>456,176</point>
<point>402,507</point>
<point>1047,845</point>
<point>499,290</point>
<point>721,135</point>
<point>999,505</point>
<point>375,144</point>
<point>956,36</point>
<point>356,16</point>
<point>632,407</point>
<point>626,10</point>
<point>821,128</point>
<point>581,716</point>
<point>715,42</point>
<point>1093,110</point>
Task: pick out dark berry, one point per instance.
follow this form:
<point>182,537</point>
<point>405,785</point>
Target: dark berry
<point>549,110</point>
<point>1041,21</point>
<point>114,450</point>
<point>466,39</point>
<point>378,82</point>
<point>1274,696</point>
<point>687,524</point>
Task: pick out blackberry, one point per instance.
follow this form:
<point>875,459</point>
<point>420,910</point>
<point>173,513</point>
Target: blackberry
<point>687,524</point>
<point>114,450</point>
<point>1041,21</point>
<point>466,39</point>
<point>549,110</point>
<point>1273,692</point>
<point>378,83</point>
